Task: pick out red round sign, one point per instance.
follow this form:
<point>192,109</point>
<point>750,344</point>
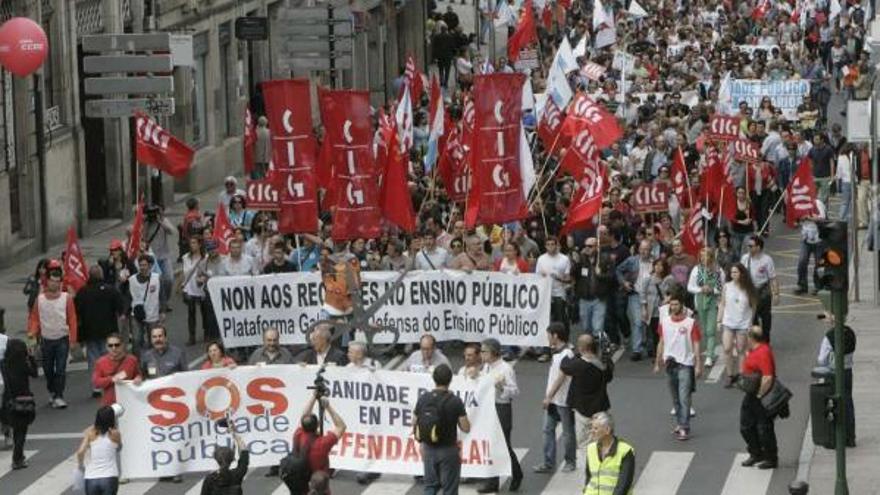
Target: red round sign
<point>23,46</point>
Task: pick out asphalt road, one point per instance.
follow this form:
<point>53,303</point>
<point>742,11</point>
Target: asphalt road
<point>706,464</point>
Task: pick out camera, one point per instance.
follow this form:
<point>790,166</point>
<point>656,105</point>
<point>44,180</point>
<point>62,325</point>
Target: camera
<point>152,212</point>
<point>320,384</point>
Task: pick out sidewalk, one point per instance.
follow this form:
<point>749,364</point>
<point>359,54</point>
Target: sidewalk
<point>12,279</point>
<point>861,462</point>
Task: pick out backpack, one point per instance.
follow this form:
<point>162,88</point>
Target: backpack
<point>429,426</point>
<point>294,469</point>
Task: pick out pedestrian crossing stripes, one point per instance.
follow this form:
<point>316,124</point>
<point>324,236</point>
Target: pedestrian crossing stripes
<point>663,474</point>
<point>746,479</point>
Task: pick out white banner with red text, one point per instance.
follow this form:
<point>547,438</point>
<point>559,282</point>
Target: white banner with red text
<point>449,304</point>
<point>170,426</point>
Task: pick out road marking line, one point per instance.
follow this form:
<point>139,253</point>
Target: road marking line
<point>55,481</point>
<point>472,489</point>
<point>386,485</point>
<point>664,473</point>
<point>718,368</point>
<point>6,460</point>
<point>807,451</point>
<point>56,436</point>
<point>137,487</point>
<point>749,480</point>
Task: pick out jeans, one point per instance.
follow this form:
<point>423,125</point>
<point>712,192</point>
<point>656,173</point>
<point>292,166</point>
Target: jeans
<point>864,196</point>
<point>783,172</point>
<point>505,417</point>
<point>807,250</point>
<point>592,313</point>
<point>680,386</point>
<point>194,304</point>
<point>102,486</point>
<point>442,469</point>
<point>140,333</point>
<point>166,281</point>
<point>823,189</point>
<point>94,350</point>
<point>845,200</point>
<point>756,428</point>
<point>637,326</point>
<point>55,353</point>
<point>552,417</point>
<point>444,66</point>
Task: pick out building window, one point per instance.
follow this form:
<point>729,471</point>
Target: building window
<point>49,99</point>
<point>200,90</point>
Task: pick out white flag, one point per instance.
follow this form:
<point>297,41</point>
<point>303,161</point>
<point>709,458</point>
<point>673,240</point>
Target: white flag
<point>526,165</point>
<point>834,9</point>
<point>636,10</point>
<point>581,48</point>
<point>601,16</point>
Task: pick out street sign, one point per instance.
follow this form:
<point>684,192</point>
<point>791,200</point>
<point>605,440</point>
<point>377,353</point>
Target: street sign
<point>126,42</point>
<point>129,85</point>
<point>858,121</point>
<point>646,198</point>
<point>253,28</point>
<point>102,109</point>
<point>182,50</point>
<point>127,63</point>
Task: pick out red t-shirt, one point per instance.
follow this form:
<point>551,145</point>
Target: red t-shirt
<point>760,361</point>
<point>105,368</point>
<point>319,454</point>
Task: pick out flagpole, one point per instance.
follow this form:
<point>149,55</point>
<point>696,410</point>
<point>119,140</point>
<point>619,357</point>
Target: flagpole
<point>772,211</point>
<point>298,252</point>
<point>720,208</point>
<point>549,155</point>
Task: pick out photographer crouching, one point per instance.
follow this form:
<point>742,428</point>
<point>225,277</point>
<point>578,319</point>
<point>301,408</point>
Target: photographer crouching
<point>311,446</point>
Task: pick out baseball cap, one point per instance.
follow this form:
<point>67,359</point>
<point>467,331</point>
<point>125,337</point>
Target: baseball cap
<point>115,245</point>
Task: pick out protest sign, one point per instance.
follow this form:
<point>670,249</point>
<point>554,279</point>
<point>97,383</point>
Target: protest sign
<point>650,197</point>
<point>528,59</point>
<point>785,94</point>
<point>449,304</point>
<point>170,423</point>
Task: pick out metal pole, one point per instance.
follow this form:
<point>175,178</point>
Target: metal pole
<point>838,302</point>
<point>332,46</point>
<point>854,222</point>
<point>491,55</point>
<point>872,201</point>
<point>41,161</point>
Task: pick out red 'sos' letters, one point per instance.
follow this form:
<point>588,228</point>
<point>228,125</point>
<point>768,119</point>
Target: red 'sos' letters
<point>257,389</point>
<point>266,394</point>
<point>179,412</point>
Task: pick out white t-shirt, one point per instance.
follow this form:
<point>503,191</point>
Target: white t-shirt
<point>679,338</point>
<point>243,266</point>
<point>100,461</point>
<point>738,312</point>
<point>558,265</point>
<point>431,260</point>
<point>760,267</point>
<point>559,398</point>
<point>151,303</point>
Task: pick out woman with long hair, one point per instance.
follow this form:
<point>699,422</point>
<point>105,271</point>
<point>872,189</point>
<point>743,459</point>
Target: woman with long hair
<point>97,454</point>
<point>654,290</point>
<point>511,262</point>
<point>18,407</point>
<point>725,255</point>
<point>36,282</point>
<point>194,261</point>
<point>736,308</point>
<point>705,283</point>
<point>239,216</point>
<point>743,225</point>
<point>216,357</point>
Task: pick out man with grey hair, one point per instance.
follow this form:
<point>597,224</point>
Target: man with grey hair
<point>632,274</point>
<point>357,356</point>
<point>609,455</point>
<point>427,357</point>
<point>321,350</point>
<point>474,257</point>
<point>271,352</point>
<point>506,389</point>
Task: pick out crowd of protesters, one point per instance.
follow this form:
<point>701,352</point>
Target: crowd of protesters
<point>622,283</point>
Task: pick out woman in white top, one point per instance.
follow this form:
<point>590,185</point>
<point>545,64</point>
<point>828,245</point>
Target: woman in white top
<point>97,454</point>
<point>735,311</point>
<point>193,291</point>
<point>844,175</point>
<point>705,283</point>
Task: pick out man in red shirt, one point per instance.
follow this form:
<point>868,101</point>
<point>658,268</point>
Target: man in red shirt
<point>755,424</point>
<point>319,451</point>
<point>112,368</point>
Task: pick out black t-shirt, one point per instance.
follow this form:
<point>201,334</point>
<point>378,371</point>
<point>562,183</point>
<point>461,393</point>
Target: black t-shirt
<point>588,392</point>
<point>822,156</point>
<point>286,267</point>
<point>453,408</point>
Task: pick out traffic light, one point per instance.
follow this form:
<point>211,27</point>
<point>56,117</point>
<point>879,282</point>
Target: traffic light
<point>834,261</point>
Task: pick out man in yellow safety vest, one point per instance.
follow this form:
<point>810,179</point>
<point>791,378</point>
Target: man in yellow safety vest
<point>611,462</point>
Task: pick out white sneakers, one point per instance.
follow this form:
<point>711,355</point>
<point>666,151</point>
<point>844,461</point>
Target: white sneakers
<point>693,412</point>
<point>57,403</point>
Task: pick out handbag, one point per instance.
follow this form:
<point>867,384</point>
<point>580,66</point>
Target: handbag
<point>78,482</point>
<point>777,398</point>
<point>22,405</point>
